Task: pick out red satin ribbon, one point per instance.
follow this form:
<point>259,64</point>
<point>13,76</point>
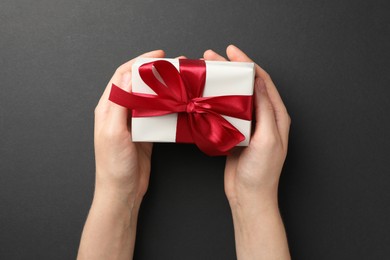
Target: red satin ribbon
<point>199,118</point>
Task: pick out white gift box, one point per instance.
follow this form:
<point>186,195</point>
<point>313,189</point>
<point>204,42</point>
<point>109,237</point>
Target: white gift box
<point>222,78</point>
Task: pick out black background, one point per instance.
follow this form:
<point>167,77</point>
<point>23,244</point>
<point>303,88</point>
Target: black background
<point>329,59</point>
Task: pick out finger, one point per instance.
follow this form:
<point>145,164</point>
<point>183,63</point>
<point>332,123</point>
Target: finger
<point>281,116</point>
<point>126,68</point>
<point>235,54</point>
<point>152,54</point>
<point>118,114</point>
<point>181,57</point>
<point>121,78</point>
<point>212,55</point>
<point>266,128</point>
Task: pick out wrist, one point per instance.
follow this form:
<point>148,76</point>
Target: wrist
<point>246,214</point>
<point>114,198</point>
<point>258,229</point>
<point>125,190</point>
<point>111,225</point>
<point>262,199</point>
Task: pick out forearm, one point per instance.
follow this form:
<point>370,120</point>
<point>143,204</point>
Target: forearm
<point>109,232</point>
<point>259,230</point>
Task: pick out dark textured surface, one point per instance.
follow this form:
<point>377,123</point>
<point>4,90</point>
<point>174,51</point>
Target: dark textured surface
<point>329,59</point>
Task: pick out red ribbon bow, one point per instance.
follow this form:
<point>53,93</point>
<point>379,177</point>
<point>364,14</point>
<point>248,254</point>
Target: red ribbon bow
<point>199,118</point>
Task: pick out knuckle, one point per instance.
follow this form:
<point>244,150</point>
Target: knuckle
<point>285,150</point>
<point>100,110</point>
<point>270,142</point>
<point>108,133</point>
<point>97,110</point>
<point>266,76</point>
<point>120,75</point>
<point>125,75</point>
<point>119,71</point>
<point>112,133</point>
<point>287,117</point>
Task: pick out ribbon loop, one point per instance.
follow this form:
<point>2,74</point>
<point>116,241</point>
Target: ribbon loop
<point>199,118</point>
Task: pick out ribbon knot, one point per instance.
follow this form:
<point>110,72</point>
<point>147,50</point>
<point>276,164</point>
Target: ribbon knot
<point>190,108</point>
<point>200,119</point>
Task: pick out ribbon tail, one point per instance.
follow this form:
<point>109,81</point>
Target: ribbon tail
<point>120,97</point>
<point>130,100</point>
<point>144,104</point>
<point>213,134</point>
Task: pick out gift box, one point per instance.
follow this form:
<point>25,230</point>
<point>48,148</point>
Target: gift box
<point>208,103</point>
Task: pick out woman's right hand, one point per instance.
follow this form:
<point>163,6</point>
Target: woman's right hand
<point>252,173</point>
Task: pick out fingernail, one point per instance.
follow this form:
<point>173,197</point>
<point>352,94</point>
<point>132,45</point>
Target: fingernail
<point>233,46</point>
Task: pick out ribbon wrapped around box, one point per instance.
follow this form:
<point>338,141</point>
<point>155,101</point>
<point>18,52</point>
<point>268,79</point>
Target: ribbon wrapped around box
<point>208,103</point>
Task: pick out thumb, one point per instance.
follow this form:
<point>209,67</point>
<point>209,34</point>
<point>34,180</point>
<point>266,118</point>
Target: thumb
<point>265,115</point>
<point>119,114</point>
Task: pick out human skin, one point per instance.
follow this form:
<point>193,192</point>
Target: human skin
<point>122,177</point>
<point>251,175</point>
